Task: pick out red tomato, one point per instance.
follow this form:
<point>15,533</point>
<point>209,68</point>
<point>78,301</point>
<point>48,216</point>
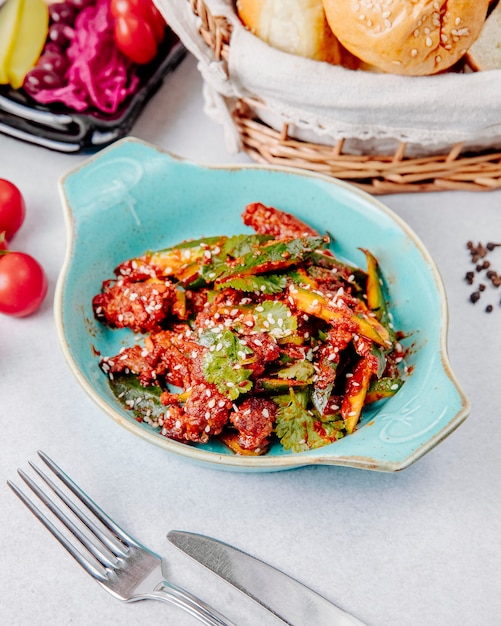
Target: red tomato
<point>135,39</point>
<point>23,284</point>
<point>139,8</point>
<point>12,209</point>
<point>144,9</point>
<point>157,22</point>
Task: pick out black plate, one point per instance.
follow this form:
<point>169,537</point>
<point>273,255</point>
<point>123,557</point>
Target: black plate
<point>56,127</point>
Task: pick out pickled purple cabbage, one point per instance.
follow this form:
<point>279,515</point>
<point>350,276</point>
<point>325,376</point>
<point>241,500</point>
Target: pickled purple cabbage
<point>99,76</point>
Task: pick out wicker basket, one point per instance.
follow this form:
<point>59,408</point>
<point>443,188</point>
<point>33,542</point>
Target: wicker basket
<point>458,169</point>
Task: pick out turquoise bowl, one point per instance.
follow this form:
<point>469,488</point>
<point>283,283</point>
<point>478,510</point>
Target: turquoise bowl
<point>132,197</point>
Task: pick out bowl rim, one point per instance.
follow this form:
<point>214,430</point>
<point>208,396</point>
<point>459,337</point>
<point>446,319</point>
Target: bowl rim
<point>265,462</point>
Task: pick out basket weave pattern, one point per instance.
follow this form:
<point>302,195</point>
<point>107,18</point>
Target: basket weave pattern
<point>376,173</point>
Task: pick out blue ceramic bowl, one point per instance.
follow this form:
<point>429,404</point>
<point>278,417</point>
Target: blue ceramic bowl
<point>133,197</point>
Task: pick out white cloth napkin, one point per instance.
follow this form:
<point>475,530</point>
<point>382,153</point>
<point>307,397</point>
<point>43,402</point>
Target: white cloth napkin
<point>325,103</point>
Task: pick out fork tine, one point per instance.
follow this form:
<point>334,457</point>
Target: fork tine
<point>97,571</point>
<point>100,552</point>
<point>83,497</point>
<point>113,544</point>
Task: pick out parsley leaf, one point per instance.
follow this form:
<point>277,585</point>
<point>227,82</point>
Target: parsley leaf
<point>268,284</point>
<point>277,255</point>
<point>223,364</point>
<point>144,402</point>
<point>300,370</point>
<point>300,429</point>
<point>275,318</point>
<point>222,257</point>
<point>240,245</point>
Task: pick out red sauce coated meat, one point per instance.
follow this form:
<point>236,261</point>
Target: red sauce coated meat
<point>250,339</point>
<point>267,220</point>
<point>140,306</point>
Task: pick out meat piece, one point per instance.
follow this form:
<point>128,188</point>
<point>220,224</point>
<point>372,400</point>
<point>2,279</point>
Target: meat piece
<point>167,356</point>
<point>266,350</point>
<point>173,422</point>
<point>178,358</point>
<point>270,221</point>
<point>136,270</point>
<point>224,308</point>
<point>204,414</point>
<point>141,306</point>
<point>254,422</point>
<point>133,360</point>
<point>195,300</point>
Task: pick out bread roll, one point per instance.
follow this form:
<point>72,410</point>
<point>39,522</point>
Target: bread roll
<point>294,26</point>
<point>485,53</point>
<point>415,37</point>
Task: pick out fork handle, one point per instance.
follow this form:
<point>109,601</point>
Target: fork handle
<point>170,593</point>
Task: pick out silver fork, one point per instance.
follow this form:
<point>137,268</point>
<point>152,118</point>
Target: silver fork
<point>120,564</point>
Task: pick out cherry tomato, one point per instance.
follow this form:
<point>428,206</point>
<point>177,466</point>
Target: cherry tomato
<point>135,39</point>
<point>157,22</point>
<point>12,209</point>
<point>123,8</point>
<point>145,9</point>
<point>23,284</point>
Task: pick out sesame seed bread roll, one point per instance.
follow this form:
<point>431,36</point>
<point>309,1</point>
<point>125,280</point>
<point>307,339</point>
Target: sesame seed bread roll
<point>295,26</point>
<point>413,37</point>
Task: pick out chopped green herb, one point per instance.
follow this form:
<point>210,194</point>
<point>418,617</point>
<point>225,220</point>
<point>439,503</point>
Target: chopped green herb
<point>300,428</point>
<point>269,284</point>
<point>275,318</point>
<point>224,363</point>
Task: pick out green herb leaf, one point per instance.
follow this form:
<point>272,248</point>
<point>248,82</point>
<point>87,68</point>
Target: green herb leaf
<point>224,363</point>
<point>144,402</point>
<point>240,245</point>
<point>275,318</point>
<point>300,429</point>
<point>300,370</point>
<point>268,284</point>
<point>203,242</point>
<point>277,255</point>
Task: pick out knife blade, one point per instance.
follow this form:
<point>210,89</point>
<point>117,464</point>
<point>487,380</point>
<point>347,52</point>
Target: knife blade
<point>288,599</point>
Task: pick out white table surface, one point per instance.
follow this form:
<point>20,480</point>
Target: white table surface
<point>419,547</point>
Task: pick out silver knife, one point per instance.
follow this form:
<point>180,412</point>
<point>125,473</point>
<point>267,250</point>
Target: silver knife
<point>288,599</point>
